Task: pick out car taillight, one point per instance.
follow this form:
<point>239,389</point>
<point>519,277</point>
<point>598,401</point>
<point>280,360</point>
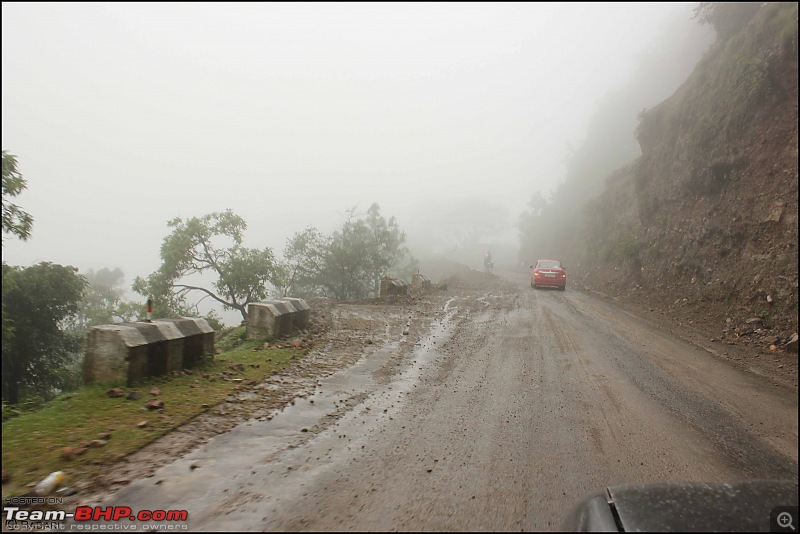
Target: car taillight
<point>563,275</point>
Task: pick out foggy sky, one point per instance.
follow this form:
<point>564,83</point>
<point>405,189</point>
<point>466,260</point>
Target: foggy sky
<point>124,116</point>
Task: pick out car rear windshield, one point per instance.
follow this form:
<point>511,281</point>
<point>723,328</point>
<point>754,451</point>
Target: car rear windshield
<point>549,265</point>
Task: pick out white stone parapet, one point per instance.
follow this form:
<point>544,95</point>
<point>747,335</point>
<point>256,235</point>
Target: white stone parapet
<point>129,352</point>
<point>276,318</point>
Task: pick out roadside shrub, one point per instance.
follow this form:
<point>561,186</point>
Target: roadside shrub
<point>232,339</point>
<point>11,411</point>
<point>628,248</point>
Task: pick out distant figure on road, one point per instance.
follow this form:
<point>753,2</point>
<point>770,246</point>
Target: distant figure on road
<point>487,261</point>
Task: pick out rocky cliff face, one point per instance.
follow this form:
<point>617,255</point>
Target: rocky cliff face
<point>704,224</point>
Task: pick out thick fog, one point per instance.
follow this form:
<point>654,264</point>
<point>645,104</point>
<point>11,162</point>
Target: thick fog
<point>124,116</point>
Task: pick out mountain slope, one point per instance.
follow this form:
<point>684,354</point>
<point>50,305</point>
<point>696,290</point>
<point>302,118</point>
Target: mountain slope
<point>704,224</point>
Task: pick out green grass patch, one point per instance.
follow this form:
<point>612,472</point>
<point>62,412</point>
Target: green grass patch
<point>33,442</point>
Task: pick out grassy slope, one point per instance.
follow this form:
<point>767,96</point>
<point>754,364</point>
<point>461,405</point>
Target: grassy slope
<point>33,442</point>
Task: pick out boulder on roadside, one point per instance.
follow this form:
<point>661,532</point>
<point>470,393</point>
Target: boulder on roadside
<point>69,453</point>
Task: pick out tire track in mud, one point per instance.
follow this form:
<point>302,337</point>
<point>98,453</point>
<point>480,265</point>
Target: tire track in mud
<point>710,416</point>
<point>621,421</point>
<point>604,430</point>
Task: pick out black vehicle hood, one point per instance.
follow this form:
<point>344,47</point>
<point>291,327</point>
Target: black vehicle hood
<point>684,507</point>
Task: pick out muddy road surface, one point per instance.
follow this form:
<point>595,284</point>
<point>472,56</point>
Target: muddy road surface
<point>508,406</point>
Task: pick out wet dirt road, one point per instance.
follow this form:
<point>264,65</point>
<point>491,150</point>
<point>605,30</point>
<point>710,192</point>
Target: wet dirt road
<point>511,408</point>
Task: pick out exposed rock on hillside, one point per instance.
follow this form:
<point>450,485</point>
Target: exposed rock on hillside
<point>703,225</point>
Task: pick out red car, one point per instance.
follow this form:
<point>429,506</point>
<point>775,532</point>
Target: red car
<point>549,273</point>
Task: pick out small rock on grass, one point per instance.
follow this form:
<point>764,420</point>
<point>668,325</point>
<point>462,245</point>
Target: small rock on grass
<point>154,404</point>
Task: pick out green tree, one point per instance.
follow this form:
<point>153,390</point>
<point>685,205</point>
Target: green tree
<point>16,221</point>
<point>386,244</point>
<point>103,302</point>
<point>304,260</point>
<point>38,301</point>
<point>8,329</point>
<point>350,262</point>
<point>211,244</point>
<point>166,302</point>
<point>360,252</point>
<point>347,273</point>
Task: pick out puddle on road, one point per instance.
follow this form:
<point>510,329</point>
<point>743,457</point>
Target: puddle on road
<point>356,398</point>
<point>332,392</point>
